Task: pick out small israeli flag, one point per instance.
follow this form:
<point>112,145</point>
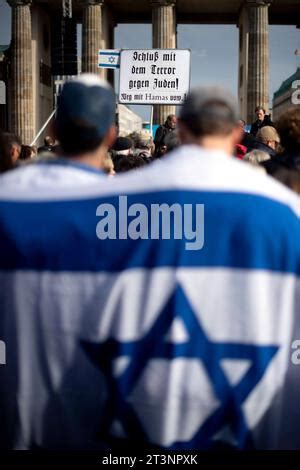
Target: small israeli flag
<point>109,58</point>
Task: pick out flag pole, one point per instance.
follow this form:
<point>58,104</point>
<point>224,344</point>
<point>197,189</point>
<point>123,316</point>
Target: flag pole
<point>151,120</point>
<point>43,128</point>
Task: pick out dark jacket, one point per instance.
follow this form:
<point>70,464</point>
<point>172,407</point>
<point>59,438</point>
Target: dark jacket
<point>248,141</point>
<point>284,160</point>
<point>161,133</point>
<point>259,124</point>
<point>264,148</point>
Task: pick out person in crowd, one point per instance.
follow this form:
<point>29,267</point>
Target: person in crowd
<point>129,162</point>
<point>14,146</point>
<point>242,124</point>
<point>27,152</point>
<point>123,146</point>
<point>240,151</point>
<point>288,127</point>
<point>153,308</point>
<point>85,128</point>
<point>144,145</point>
<point>108,166</point>
<point>6,162</point>
<point>134,137</point>
<point>256,158</point>
<point>48,146</point>
<point>286,167</point>
<point>169,127</point>
<point>160,151</point>
<point>262,120</point>
<point>171,141</point>
<point>267,140</point>
<point>290,177</point>
<point>247,139</point>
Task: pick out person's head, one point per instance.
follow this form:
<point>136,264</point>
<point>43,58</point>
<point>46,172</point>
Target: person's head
<point>129,162</point>
<point>144,140</point>
<point>209,118</point>
<point>48,141</point>
<point>288,127</point>
<point>14,144</point>
<point>241,123</point>
<point>256,157</point>
<point>122,146</point>
<point>84,122</point>
<point>134,136</point>
<point>6,162</point>
<point>260,113</point>
<point>27,152</point>
<point>268,136</point>
<point>171,121</point>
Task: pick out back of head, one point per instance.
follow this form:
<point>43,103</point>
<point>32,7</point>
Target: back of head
<point>144,140</point>
<point>209,111</point>
<point>48,141</point>
<point>267,134</point>
<point>6,162</point>
<point>26,152</point>
<point>122,146</point>
<point>288,127</point>
<point>128,162</point>
<point>11,139</point>
<point>85,113</point>
<point>256,157</point>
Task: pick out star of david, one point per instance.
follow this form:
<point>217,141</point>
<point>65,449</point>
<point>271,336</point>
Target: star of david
<point>112,59</point>
<point>154,345</point>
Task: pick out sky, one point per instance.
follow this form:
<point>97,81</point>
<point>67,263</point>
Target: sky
<point>214,49</point>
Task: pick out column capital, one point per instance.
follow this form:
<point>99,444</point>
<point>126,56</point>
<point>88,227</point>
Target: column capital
<point>15,3</point>
<point>91,2</point>
<point>162,3</point>
<point>258,3</point>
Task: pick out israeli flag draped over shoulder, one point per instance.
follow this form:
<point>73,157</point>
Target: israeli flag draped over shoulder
<point>120,323</point>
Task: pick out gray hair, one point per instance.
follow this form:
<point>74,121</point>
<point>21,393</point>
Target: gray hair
<point>255,157</point>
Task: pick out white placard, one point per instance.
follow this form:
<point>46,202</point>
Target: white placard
<point>154,76</point>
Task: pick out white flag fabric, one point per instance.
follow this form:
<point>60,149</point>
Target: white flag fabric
<point>136,333</point>
<point>109,58</point>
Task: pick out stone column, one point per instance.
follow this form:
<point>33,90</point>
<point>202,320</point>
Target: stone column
<point>108,26</point>
<point>258,59</point>
<point>92,36</point>
<point>243,25</point>
<point>21,86</point>
<point>163,37</point>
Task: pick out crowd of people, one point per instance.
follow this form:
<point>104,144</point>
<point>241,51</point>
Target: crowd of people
<point>158,307</point>
<point>273,148</point>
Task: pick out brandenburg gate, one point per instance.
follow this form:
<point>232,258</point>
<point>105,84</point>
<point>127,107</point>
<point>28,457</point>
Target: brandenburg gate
<point>44,44</point>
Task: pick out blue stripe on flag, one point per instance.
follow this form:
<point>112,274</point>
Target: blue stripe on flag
<point>112,66</point>
<point>241,231</point>
<point>109,53</point>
